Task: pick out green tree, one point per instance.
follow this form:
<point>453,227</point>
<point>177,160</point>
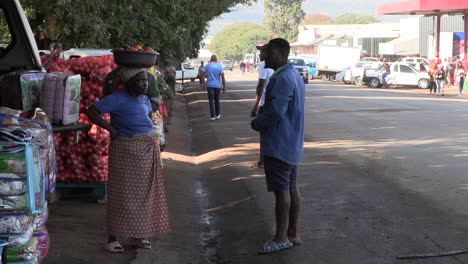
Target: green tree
<point>318,19</point>
<point>283,18</point>
<point>175,28</point>
<point>238,39</point>
<point>350,18</point>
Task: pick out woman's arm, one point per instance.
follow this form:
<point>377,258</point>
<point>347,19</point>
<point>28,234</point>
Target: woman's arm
<point>95,117</point>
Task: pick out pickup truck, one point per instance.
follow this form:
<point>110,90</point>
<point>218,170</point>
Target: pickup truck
<point>185,71</point>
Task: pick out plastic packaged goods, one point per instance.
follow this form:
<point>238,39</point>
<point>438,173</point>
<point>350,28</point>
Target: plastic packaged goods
<point>14,203</point>
<point>15,222</point>
<point>19,239</point>
<point>11,185</point>
<point>29,161</point>
<point>13,163</point>
<point>23,252</point>
<point>43,243</point>
<point>60,97</point>
<point>20,89</point>
<point>40,219</point>
<point>3,244</point>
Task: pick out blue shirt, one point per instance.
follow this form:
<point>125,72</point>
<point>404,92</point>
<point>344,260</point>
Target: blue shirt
<point>129,116</point>
<point>281,124</point>
<point>213,72</point>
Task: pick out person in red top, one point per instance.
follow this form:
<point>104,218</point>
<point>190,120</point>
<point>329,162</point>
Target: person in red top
<point>54,57</point>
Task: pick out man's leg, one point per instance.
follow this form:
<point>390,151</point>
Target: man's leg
<point>217,103</point>
<point>211,101</point>
<point>293,234</point>
<point>384,78</point>
<point>282,209</point>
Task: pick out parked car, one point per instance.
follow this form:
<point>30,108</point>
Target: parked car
<point>185,71</point>
<point>401,74</point>
<point>355,74</point>
<point>300,65</point>
<point>227,65</point>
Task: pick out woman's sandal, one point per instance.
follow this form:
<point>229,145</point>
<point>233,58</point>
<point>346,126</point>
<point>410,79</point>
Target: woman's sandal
<point>114,247</point>
<point>142,243</point>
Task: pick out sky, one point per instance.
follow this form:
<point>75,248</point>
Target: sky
<point>256,14</point>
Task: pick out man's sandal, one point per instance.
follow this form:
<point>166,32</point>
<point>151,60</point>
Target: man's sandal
<point>114,247</point>
<point>142,243</point>
<point>271,246</point>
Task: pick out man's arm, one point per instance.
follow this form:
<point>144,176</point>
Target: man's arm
<point>224,82</point>
<point>259,92</point>
<point>280,95</point>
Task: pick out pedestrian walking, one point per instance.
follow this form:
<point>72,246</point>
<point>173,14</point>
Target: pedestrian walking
<point>460,75</point>
<point>264,75</point>
<point>247,66</point>
<point>201,75</point>
<point>215,73</point>
<point>432,83</point>
<point>441,80</point>
<point>281,127</point>
<point>242,67</point>
<point>451,72</point>
<point>136,201</point>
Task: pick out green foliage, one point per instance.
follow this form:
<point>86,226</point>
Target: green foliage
<point>175,28</point>
<point>350,18</point>
<point>318,19</point>
<point>237,40</point>
<point>283,18</point>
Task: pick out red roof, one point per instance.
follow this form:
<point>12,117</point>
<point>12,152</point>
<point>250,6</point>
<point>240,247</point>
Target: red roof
<point>424,7</point>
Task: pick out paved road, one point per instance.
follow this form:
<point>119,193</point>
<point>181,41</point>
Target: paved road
<point>383,176</point>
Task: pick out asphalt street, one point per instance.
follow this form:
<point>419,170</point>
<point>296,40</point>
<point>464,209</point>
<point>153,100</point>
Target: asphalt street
<point>383,176</point>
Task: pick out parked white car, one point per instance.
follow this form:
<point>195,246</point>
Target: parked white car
<point>401,74</point>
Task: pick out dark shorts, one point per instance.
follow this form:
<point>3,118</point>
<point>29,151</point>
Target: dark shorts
<point>280,176</point>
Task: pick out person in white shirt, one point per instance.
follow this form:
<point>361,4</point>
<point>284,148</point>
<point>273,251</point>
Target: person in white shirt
<point>264,75</point>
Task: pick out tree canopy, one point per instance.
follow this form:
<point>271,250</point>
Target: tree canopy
<point>238,39</point>
<point>350,18</point>
<point>175,28</point>
<point>283,18</point>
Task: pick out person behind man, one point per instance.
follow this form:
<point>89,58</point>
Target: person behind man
<point>264,75</point>
<point>215,73</point>
<point>386,68</point>
<point>441,79</point>
<point>55,49</point>
<point>201,75</point>
<point>281,127</point>
<point>242,67</point>
<point>460,76</point>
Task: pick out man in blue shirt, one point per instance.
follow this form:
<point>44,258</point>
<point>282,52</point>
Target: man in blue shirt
<point>281,127</point>
<point>215,74</point>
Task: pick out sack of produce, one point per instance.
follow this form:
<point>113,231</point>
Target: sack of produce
<point>15,222</point>
<point>60,97</point>
<point>23,252</point>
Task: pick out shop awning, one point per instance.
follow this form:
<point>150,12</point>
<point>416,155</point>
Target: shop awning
<point>400,46</point>
<point>424,7</point>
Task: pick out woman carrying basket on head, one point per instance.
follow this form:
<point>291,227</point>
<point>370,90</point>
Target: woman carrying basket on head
<point>136,206</point>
